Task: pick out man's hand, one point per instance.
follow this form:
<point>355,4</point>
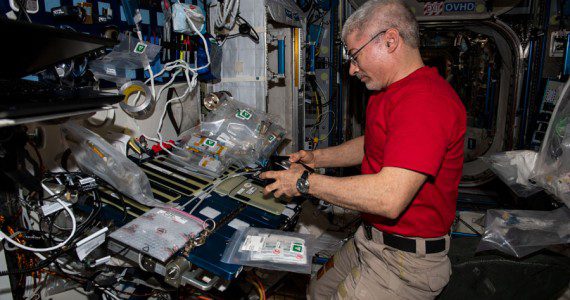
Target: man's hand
<point>285,181</point>
<point>306,157</point>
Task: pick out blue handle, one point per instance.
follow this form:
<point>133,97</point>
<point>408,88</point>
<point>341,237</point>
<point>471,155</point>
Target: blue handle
<point>281,57</point>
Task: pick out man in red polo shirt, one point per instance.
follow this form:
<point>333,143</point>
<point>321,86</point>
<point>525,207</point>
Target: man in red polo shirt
<point>411,156</point>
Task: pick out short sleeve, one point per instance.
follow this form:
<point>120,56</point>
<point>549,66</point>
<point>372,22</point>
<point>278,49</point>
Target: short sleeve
<point>418,135</point>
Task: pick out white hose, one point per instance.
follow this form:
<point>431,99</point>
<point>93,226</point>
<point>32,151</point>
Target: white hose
<point>229,9</point>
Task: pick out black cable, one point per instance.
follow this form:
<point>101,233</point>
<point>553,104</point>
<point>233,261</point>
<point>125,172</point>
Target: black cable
<point>65,158</point>
<point>469,226</point>
<point>319,12</point>
<point>39,266</point>
<point>35,164</point>
<point>39,156</point>
<point>170,95</point>
<point>246,28</point>
<point>23,6</point>
<point>92,216</point>
<point>92,212</point>
<point>123,202</point>
<point>78,278</point>
<point>52,196</point>
<point>51,225</point>
<point>78,233</point>
<point>315,88</point>
<point>81,228</point>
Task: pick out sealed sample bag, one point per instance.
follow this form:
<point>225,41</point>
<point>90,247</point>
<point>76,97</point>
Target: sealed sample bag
<point>552,170</point>
<point>514,168</point>
<point>522,232</point>
<point>270,249</point>
<point>231,134</point>
<point>201,154</point>
<point>129,54</point>
<point>95,156</point>
<point>251,135</point>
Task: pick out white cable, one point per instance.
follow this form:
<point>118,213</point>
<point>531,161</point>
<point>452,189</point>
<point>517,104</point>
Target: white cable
<point>73,222</point>
<point>152,91</point>
<point>203,39</point>
<point>7,247</point>
<point>207,192</point>
<point>230,8</point>
<point>179,66</point>
<point>109,293</point>
<point>332,127</point>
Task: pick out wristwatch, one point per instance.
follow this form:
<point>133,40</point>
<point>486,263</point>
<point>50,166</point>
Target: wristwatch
<point>303,183</point>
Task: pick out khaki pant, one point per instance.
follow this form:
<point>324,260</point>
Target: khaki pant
<point>368,269</point>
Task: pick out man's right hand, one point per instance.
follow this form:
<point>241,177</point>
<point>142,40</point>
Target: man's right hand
<point>306,157</point>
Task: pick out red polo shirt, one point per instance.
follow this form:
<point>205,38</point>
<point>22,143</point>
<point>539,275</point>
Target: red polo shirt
<point>418,123</point>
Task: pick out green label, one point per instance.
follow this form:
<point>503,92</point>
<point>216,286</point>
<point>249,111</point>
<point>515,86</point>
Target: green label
<point>140,47</point>
<point>209,143</point>
<point>271,138</point>
<point>243,114</point>
<point>297,248</point>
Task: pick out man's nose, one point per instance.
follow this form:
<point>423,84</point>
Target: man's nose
<point>353,69</point>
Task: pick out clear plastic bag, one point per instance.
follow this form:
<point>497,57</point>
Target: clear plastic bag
<point>179,22</point>
<point>521,232</point>
<point>192,141</point>
<point>94,155</point>
<point>514,169</point>
<point>129,54</point>
<point>270,249</point>
<point>200,163</point>
<point>159,233</point>
<point>552,170</point>
<point>252,135</point>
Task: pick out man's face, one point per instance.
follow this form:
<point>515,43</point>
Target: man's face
<point>370,60</point>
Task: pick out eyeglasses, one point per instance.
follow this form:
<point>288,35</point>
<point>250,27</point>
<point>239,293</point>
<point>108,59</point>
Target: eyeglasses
<point>352,57</point>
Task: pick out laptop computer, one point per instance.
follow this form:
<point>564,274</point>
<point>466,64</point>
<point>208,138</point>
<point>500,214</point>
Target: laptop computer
<point>34,48</point>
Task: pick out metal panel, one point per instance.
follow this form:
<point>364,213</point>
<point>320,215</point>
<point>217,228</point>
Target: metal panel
<point>244,63</point>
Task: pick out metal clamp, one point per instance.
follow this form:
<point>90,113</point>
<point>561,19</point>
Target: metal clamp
<point>192,278</point>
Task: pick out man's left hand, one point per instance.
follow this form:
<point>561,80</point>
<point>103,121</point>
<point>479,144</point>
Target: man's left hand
<point>285,181</point>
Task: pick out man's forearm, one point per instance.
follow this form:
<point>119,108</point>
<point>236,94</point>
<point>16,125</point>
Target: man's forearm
<point>386,193</point>
<point>348,154</point>
<point>358,193</point>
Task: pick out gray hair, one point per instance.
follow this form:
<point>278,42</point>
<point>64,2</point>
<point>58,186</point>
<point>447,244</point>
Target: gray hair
<point>384,14</point>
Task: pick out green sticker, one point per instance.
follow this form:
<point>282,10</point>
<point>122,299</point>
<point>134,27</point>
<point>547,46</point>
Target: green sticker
<point>140,47</point>
<point>243,114</point>
<point>297,248</point>
<point>209,143</point>
<point>271,138</point>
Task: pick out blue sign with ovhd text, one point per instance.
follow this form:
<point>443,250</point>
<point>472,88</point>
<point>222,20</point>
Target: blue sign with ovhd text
<point>459,6</point>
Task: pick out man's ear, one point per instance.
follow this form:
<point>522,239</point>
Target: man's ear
<point>393,39</point>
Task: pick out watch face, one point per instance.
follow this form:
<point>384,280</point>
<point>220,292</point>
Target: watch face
<point>303,186</point>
